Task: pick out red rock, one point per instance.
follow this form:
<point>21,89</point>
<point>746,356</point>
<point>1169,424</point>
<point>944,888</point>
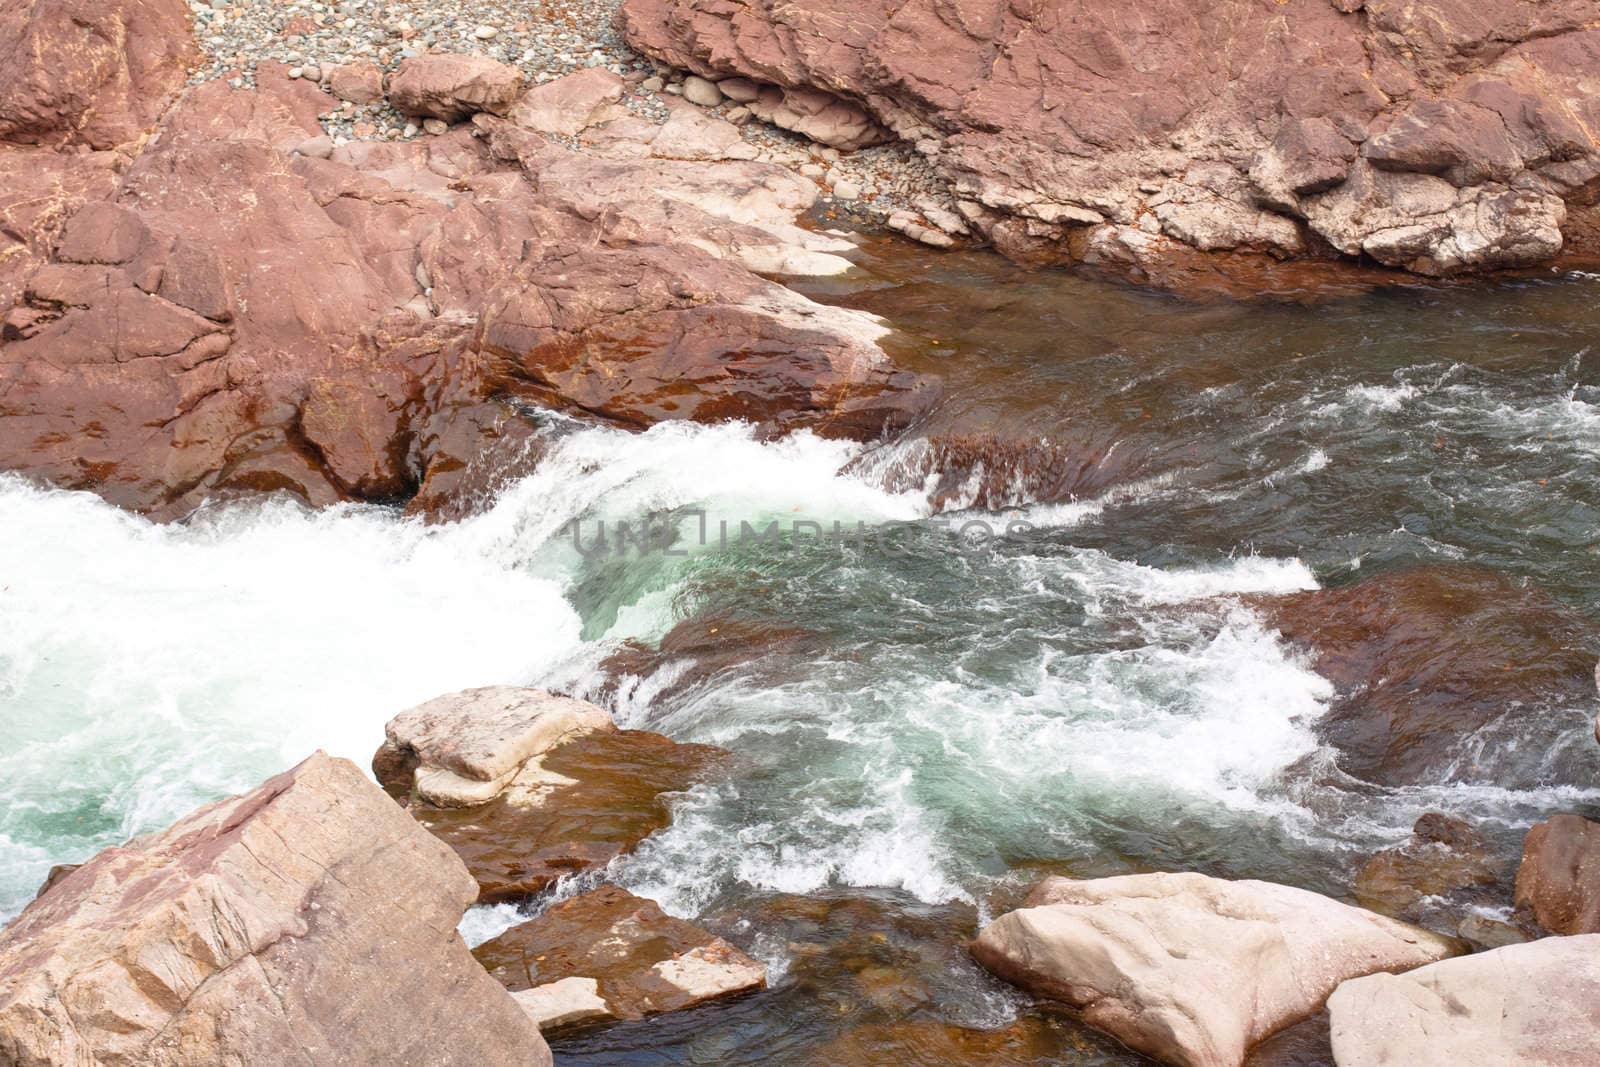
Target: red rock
<point>452,87</point>
<point>90,72</point>
<point>640,960</point>
<point>359,83</point>
<point>1427,657</point>
<point>1443,855</point>
<point>1223,126</point>
<point>1558,883</point>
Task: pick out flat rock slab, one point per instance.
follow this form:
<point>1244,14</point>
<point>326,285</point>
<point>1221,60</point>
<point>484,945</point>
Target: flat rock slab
<point>1192,970</point>
<point>307,922</point>
<point>640,960</point>
<point>1532,1005</point>
<point>577,807</point>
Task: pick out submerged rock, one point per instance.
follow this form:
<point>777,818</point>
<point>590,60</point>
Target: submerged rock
<point>527,787</point>
<point>1558,882</point>
<point>1527,1004</point>
<point>1192,970</point>
<point>610,954</point>
<point>1442,856</point>
<point>1446,674</point>
<point>309,921</point>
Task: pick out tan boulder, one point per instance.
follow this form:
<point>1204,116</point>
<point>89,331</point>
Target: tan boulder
<point>307,922</point>
<point>1531,1005</point>
<point>1558,882</point>
<point>568,104</point>
<point>565,790</point>
<point>620,950</point>
<point>464,748</point>
<point>452,87</point>
<point>1192,970</point>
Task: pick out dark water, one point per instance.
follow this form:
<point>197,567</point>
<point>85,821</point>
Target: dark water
<point>1095,692</point>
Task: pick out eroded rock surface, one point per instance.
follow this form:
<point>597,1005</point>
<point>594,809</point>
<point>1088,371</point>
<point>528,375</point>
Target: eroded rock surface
<point>1527,1004</point>
<point>1438,139</point>
<point>1192,970</point>
<point>610,954</point>
<point>307,922</point>
<point>218,312</point>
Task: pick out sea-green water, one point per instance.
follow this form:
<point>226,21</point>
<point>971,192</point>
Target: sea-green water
<point>991,685</point>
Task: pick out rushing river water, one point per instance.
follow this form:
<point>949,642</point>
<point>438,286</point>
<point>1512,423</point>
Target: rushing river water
<point>990,685</point>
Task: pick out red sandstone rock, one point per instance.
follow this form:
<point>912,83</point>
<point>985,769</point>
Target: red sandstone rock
<point>1558,882</point>
<point>637,960</point>
<point>1444,674</point>
<point>89,72</point>
<point>1439,139</point>
<point>452,87</point>
<point>227,315</point>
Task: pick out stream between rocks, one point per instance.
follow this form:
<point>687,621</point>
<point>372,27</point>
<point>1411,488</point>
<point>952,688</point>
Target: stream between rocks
<point>1042,631</point>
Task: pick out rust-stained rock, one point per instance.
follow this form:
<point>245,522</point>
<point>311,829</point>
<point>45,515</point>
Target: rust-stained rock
<point>576,808</point>
<point>641,960</point>
<point>309,921</point>
<point>1558,883</point>
<point>1443,855</point>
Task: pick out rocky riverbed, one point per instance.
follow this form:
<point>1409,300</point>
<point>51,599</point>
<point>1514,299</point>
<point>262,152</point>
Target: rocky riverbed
<point>890,651</point>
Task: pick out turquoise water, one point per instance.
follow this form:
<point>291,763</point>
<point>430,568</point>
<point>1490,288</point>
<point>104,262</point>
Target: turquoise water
<point>1088,690</point>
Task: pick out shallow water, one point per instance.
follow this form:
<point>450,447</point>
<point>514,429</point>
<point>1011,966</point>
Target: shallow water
<point>989,686</point>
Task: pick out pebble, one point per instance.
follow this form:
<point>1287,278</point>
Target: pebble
<point>485,33</point>
<point>698,90</point>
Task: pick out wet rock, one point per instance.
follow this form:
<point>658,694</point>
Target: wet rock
<point>452,87</point>
<point>1558,882</point>
<point>527,787</point>
<point>1444,674</point>
<point>697,650</point>
<point>1193,970</point>
<point>639,960</point>
<point>90,72</point>
<point>308,921</point>
<point>569,104</point>
<point>1443,855</point>
<point>1522,1004</point>
<point>465,748</point>
<point>1059,119</point>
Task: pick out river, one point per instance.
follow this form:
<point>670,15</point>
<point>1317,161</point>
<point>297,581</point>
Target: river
<point>1022,638</point>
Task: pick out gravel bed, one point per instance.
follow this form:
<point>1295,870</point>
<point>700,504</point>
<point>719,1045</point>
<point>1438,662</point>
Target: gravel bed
<point>545,39</point>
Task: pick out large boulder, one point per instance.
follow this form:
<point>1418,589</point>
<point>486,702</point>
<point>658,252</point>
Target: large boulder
<point>608,954</point>
<point>90,72</point>
<point>1558,883</point>
<point>1531,1005</point>
<point>1192,970</point>
<point>527,787</point>
<point>307,922</point>
<point>1436,139</point>
<point>465,748</point>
